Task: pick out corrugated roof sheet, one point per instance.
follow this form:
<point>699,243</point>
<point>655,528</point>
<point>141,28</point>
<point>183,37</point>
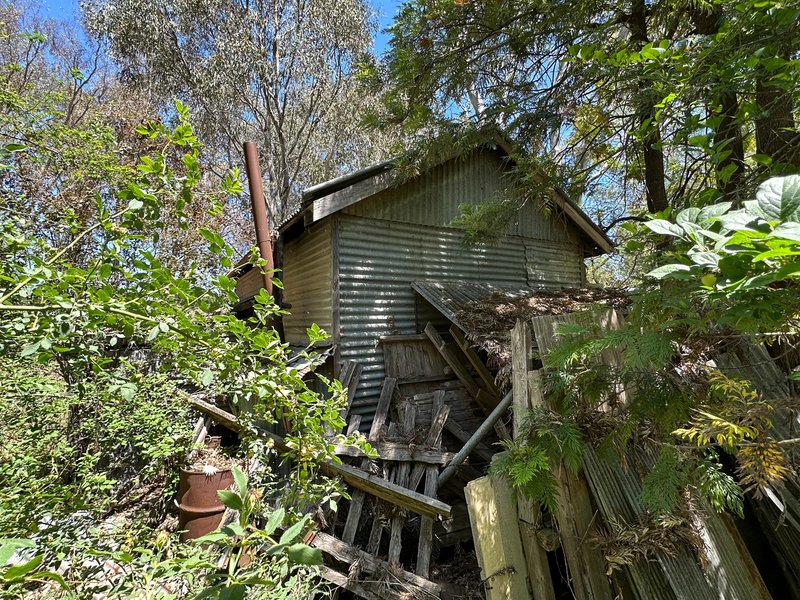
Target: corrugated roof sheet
<point>451,298</point>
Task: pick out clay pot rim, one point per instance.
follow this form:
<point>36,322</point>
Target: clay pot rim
<point>189,471</point>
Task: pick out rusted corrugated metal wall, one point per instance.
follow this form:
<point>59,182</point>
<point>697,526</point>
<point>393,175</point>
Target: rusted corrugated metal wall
<point>379,259</point>
<point>307,280</point>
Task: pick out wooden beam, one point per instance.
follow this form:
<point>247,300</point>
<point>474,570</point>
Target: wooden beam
<point>458,369</point>
<point>475,361</point>
<point>390,492</point>
<point>495,531</point>
<point>434,437</point>
<point>528,511</point>
<point>353,585</point>
<point>358,496</point>
<point>351,373</point>
<point>397,452</point>
<point>353,425</point>
<point>349,554</point>
<point>327,205</point>
<point>409,417</point>
<point>486,400</point>
<point>575,517</point>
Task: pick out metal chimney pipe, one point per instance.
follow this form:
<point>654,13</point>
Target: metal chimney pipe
<point>259,204</point>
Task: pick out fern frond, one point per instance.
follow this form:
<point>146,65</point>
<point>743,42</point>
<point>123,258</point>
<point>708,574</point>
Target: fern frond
<point>719,488</point>
<point>663,485</point>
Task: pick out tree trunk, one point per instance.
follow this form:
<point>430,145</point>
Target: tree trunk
<point>775,134</point>
<point>728,134</point>
<point>654,176</point>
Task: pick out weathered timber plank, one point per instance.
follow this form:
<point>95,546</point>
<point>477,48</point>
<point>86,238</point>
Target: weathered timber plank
<point>359,589</point>
<point>327,205</point>
<point>474,360</point>
<point>426,526</point>
<point>520,366</point>
<point>460,371</point>
<point>575,517</point>
<point>409,416</point>
<point>528,511</point>
<point>358,496</point>
<point>397,452</point>
<point>353,425</point>
<point>350,382</point>
<point>370,564</point>
<point>434,439</point>
<point>390,492</point>
<point>495,531</point>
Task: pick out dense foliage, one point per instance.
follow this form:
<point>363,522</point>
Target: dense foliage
<point>101,345</point>
<point>729,282</point>
<point>626,105</point>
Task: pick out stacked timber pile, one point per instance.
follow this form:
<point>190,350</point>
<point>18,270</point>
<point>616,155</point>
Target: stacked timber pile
<point>435,429</point>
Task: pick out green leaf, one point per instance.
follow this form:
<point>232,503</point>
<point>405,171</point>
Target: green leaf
<point>704,259</point>
<point>241,481</point>
<point>230,499</point>
<point>212,538</point>
<point>30,349</point>
<point>669,271</point>
<point>293,531</point>
<point>788,231</point>
<point>302,554</point>
<point>713,211</point>
<point>19,571</point>
<point>234,592</point>
<point>664,227</point>
<point>690,215</point>
<point>9,546</point>
<point>779,198</point>
<point>274,521</point>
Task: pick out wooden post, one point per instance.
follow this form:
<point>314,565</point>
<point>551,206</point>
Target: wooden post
<point>495,531</point>
<point>575,519</point>
<point>409,417</point>
<point>529,513</point>
<point>357,499</point>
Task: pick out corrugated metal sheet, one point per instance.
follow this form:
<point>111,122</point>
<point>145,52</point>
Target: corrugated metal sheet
<point>434,199</point>
<point>378,262</point>
<point>307,280</point>
<point>555,264</point>
<point>616,492</point>
<point>451,298</point>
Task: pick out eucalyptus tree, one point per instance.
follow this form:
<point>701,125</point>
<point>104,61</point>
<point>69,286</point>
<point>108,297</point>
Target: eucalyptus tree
<point>280,73</point>
<point>677,102</point>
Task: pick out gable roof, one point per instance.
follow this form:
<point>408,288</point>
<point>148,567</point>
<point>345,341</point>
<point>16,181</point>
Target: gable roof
<point>329,197</point>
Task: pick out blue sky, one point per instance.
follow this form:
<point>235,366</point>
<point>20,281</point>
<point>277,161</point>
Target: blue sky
<point>67,10</point>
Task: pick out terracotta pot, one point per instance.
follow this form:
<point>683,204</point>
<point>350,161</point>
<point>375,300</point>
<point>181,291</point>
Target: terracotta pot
<point>200,507</point>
